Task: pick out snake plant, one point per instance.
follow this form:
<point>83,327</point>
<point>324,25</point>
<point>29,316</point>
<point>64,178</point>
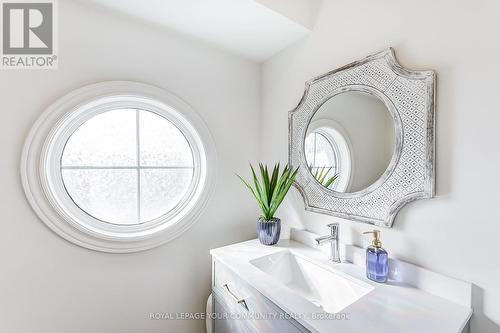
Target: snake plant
<point>321,175</point>
<point>270,190</point>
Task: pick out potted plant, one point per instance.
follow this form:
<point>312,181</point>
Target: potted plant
<point>269,191</point>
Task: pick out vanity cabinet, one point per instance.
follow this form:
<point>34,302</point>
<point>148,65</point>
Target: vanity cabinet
<point>239,308</point>
<point>223,323</point>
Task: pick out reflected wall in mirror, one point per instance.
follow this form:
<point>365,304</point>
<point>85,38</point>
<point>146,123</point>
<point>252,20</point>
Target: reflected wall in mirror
<point>350,141</point>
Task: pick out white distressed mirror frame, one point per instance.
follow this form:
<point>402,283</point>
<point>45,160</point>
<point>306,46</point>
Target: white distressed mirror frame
<point>409,96</point>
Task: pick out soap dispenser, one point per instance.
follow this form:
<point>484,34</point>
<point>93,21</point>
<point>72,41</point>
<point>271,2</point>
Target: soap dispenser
<point>377,262</point>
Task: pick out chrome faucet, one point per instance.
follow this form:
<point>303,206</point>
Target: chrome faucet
<point>333,238</point>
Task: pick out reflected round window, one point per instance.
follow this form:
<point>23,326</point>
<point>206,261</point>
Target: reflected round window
<point>322,156</point>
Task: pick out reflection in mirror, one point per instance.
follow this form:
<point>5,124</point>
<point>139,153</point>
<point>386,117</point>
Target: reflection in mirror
<point>350,141</point>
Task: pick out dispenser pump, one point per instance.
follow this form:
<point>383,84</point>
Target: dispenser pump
<point>376,238</point>
<point>377,261</point>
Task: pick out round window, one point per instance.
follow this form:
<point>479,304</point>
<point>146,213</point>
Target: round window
<point>321,154</point>
<point>127,166</point>
<point>118,166</point>
<point>328,154</point>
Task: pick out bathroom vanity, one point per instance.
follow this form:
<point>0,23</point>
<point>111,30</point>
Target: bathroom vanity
<point>294,287</point>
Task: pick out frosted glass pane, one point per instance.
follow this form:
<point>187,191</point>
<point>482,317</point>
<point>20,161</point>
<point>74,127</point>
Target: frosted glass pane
<point>325,156</point>
<point>107,139</point>
<point>108,195</point>
<point>309,149</point>
<point>162,144</point>
<point>162,190</point>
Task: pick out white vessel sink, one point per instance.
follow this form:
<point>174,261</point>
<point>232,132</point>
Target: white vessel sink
<point>323,287</point>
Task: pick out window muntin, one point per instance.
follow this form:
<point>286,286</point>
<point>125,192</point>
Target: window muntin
<point>127,166</point>
<point>322,154</point>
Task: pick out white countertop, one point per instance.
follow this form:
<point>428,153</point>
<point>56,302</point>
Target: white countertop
<point>392,307</point>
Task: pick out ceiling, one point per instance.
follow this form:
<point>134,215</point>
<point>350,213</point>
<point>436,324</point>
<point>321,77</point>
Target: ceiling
<point>254,29</point>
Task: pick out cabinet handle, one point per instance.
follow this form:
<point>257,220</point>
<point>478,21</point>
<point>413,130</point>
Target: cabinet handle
<point>240,301</point>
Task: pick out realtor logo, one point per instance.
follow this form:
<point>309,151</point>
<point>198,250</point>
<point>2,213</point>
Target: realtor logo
<point>28,32</point>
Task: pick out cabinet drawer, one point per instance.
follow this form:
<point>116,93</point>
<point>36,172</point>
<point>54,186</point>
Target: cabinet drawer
<point>249,303</point>
<point>224,323</point>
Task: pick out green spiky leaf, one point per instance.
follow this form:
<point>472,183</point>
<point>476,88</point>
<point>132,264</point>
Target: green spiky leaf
<point>321,173</point>
<point>269,190</point>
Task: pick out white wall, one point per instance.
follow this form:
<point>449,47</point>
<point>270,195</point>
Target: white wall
<point>50,285</point>
<point>369,128</point>
<point>457,232</point>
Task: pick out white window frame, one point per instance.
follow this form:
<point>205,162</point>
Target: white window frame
<point>337,163</point>
<point>41,169</point>
<point>338,138</point>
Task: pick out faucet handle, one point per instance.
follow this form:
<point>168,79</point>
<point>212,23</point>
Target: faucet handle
<point>334,227</point>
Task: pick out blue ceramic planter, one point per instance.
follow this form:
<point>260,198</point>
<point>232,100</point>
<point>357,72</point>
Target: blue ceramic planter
<point>268,231</point>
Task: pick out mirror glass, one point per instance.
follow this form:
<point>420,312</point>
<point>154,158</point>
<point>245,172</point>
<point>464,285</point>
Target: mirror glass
<point>350,141</point>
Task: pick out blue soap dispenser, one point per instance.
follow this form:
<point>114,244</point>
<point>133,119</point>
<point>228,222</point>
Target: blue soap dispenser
<point>377,262</point>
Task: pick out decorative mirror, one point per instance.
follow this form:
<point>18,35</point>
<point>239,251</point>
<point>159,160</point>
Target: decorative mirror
<point>363,139</point>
